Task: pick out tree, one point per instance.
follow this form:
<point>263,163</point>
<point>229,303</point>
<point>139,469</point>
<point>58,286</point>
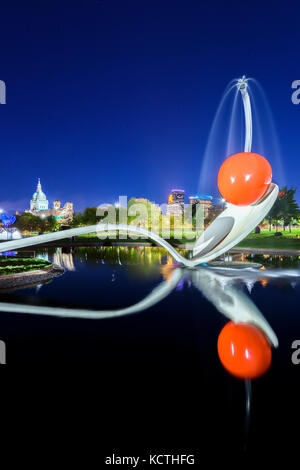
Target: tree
<point>285,208</point>
<point>291,209</point>
<point>51,224</point>
<point>77,220</point>
<point>153,212</point>
<point>32,223</point>
<point>28,221</point>
<point>275,213</point>
<point>89,216</point>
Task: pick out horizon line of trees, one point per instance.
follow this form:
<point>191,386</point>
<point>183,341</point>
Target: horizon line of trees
<point>284,213</point>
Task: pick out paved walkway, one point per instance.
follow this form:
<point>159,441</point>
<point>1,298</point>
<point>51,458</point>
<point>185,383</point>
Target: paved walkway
<point>258,251</point>
<point>274,251</point>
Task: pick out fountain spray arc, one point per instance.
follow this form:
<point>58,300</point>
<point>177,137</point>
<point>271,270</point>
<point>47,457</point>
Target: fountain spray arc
<point>226,231</point>
<point>236,222</point>
<point>242,86</point>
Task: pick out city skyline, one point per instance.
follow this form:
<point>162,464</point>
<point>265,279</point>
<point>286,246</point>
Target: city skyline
<point>45,203</point>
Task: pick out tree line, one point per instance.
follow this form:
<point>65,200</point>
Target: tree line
<point>32,223</point>
<point>285,212</point>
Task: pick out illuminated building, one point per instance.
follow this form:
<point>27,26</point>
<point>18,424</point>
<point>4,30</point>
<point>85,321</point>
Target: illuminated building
<point>56,205</point>
<point>39,205</point>
<point>176,202</point>
<point>204,200</point>
<point>39,201</point>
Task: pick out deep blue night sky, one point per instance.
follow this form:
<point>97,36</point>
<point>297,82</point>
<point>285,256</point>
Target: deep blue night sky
<point>115,97</point>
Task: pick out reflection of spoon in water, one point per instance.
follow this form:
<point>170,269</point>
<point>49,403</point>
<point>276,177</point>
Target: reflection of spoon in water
<point>242,346</point>
<point>230,301</point>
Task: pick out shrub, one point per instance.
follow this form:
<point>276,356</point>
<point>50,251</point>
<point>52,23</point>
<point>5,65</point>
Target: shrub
<point>19,265</point>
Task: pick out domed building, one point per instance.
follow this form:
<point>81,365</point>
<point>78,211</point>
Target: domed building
<point>39,201</point>
<point>39,205</point>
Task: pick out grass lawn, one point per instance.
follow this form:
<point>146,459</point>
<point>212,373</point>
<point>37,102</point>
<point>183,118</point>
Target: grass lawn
<point>188,237</point>
<point>10,265</point>
<point>266,239</point>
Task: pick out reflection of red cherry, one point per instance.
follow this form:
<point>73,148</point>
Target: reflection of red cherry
<point>244,178</point>
<point>244,350</point>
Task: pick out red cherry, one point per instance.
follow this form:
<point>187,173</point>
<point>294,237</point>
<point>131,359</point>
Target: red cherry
<point>244,350</point>
<point>244,178</point>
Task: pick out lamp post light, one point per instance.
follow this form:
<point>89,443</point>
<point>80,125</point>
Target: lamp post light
<point>223,202</point>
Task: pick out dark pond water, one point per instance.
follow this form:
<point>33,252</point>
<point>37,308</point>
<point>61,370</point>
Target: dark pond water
<point>167,349</point>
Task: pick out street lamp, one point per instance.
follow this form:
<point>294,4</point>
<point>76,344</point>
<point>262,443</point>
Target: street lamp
<point>223,202</point>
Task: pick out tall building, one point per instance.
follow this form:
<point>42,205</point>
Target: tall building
<point>39,201</point>
<point>39,205</point>
<point>204,200</point>
<point>176,202</point>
